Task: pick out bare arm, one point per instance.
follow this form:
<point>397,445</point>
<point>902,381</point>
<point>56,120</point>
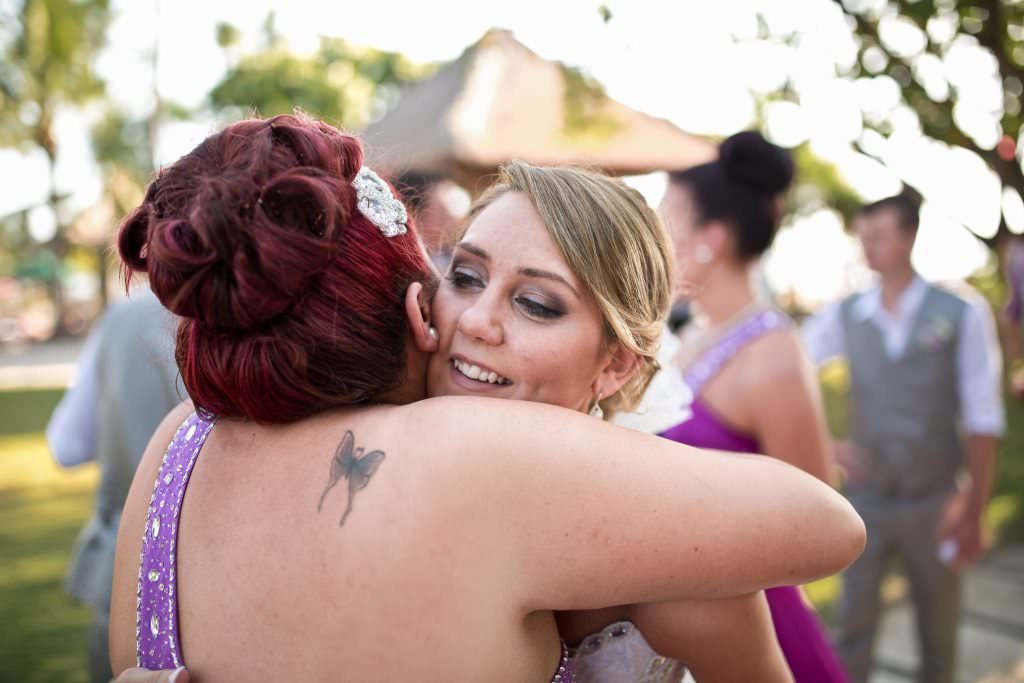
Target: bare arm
<point>731,639</point>
<point>965,525</point>
<point>588,514</point>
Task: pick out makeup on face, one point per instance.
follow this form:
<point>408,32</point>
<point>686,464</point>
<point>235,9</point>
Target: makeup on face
<point>514,321</point>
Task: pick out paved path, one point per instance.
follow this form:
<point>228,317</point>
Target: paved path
<point>39,366</point>
<point>991,630</point>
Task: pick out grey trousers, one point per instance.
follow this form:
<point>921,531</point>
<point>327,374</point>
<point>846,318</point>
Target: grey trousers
<point>906,530</point>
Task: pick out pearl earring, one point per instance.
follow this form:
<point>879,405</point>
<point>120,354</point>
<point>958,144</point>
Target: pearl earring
<point>596,411</point>
<point>432,331</point>
<point>702,254</point>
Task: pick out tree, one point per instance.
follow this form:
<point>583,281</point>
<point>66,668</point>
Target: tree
<point>996,26</point>
<point>48,48</point>
<point>340,83</point>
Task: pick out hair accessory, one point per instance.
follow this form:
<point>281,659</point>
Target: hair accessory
<point>375,201</point>
<point>596,411</point>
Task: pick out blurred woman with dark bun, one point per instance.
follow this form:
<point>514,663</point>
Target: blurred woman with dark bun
<point>753,389</point>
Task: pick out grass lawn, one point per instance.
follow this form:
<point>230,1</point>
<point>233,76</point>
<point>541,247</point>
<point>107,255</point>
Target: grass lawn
<point>42,508</point>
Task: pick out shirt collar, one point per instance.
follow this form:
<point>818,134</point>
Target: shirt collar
<point>869,303</point>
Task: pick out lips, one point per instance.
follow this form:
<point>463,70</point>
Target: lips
<point>478,374</point>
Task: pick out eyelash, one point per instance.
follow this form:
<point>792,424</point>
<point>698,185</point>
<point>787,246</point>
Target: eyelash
<point>463,281</point>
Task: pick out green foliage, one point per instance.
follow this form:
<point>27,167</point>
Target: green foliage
<point>47,62</point>
<point>996,26</point>
<point>340,83</point>
<point>819,184</point>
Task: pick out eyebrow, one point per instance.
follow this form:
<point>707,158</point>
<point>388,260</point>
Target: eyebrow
<point>527,272</point>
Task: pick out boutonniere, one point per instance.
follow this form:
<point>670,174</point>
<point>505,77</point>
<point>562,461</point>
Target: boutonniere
<point>937,331</point>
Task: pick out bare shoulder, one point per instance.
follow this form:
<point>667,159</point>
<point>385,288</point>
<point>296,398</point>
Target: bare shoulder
<point>129,540</point>
<point>776,356</point>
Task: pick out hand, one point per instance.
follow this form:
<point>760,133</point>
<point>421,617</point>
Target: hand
<point>852,460</point>
<point>139,675</point>
<point>962,524</point>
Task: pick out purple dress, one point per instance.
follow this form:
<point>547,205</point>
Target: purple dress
<point>157,643</point>
<point>800,632</point>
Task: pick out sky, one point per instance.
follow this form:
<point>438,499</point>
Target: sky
<point>693,63</point>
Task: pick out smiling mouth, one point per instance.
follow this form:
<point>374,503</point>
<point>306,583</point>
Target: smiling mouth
<point>473,372</point>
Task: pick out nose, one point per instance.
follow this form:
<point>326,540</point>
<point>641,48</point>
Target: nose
<point>482,321</point>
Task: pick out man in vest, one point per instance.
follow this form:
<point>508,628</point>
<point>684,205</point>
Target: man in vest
<point>926,405</point>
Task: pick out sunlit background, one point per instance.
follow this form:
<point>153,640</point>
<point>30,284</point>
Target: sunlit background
<point>871,96</point>
<point>797,70</point>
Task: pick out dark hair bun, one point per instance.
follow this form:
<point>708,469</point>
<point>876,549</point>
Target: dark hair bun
<point>750,160</point>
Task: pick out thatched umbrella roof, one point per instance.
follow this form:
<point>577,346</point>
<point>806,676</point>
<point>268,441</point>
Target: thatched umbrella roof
<point>500,101</point>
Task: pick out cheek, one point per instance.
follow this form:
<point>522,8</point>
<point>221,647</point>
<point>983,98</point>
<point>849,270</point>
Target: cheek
<point>557,367</point>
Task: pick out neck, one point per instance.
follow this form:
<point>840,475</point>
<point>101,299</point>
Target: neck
<point>894,284</point>
<point>731,292</point>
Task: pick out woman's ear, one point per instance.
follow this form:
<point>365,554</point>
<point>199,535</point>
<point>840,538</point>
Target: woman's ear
<point>619,369</point>
<point>417,309</point>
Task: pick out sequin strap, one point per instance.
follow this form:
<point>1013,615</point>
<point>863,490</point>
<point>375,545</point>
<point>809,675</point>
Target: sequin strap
<point>711,361</point>
<point>156,628</point>
<point>564,673</point>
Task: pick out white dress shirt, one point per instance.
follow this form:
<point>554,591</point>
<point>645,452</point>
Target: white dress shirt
<point>978,359</point>
<point>71,431</point>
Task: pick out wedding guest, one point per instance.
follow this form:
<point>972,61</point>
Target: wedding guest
<point>922,363</point>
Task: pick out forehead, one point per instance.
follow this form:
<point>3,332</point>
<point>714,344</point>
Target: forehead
<point>512,233</point>
<point>878,223</point>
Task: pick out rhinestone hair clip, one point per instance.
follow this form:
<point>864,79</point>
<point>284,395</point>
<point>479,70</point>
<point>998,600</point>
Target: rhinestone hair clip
<point>375,201</point>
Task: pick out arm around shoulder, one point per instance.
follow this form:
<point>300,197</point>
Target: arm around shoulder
<point>593,515</point>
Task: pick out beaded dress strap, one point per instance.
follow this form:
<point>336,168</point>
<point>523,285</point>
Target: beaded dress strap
<point>156,618</point>
<point>722,351</point>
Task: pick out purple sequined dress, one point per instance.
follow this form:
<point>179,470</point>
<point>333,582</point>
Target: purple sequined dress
<point>157,641</point>
<point>800,632</point>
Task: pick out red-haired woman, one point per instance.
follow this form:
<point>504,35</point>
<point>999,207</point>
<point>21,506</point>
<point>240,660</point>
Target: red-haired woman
<point>337,526</point>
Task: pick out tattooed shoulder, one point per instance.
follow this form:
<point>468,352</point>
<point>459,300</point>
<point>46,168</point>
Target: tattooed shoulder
<point>355,466</point>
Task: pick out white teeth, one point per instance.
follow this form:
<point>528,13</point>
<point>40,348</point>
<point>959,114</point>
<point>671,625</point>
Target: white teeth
<point>474,372</point>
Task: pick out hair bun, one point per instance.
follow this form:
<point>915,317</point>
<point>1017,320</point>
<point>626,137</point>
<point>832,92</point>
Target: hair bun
<point>750,160</point>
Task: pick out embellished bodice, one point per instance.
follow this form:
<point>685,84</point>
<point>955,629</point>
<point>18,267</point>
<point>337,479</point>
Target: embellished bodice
<point>156,627</point>
<point>704,428</point>
<point>618,653</point>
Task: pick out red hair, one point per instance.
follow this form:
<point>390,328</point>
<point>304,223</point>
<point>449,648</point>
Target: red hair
<point>291,300</point>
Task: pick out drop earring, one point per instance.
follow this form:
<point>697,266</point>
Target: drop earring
<point>596,411</point>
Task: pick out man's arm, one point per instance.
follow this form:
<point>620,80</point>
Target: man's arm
<point>71,431</point>
<point>979,384</point>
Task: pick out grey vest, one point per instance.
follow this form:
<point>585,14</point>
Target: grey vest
<point>137,385</point>
<point>904,412</point>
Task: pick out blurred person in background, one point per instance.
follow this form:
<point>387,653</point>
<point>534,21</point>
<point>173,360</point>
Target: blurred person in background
<point>748,384</point>
<point>126,382</point>
<point>433,202</point>
<point>926,401</point>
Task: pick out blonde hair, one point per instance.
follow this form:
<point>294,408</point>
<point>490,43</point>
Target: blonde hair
<point>615,244</point>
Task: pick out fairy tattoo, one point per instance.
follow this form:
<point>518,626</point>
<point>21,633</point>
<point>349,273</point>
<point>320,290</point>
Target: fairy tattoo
<point>350,463</point>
